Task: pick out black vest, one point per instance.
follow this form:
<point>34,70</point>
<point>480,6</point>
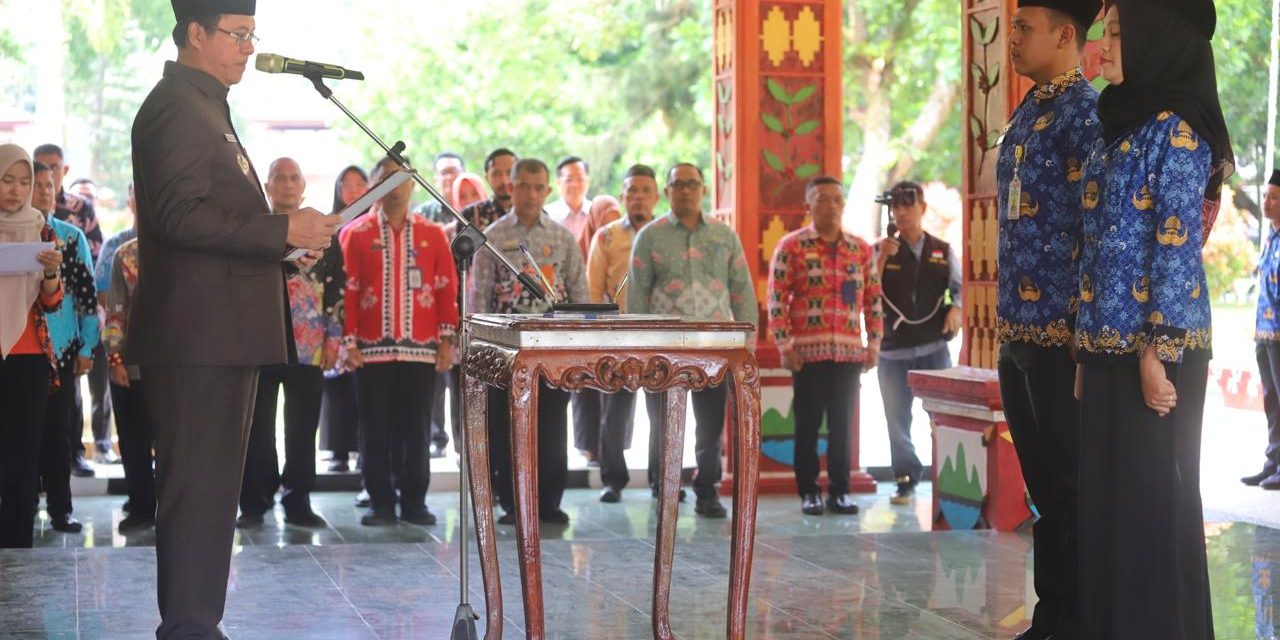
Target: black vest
<point>915,287</point>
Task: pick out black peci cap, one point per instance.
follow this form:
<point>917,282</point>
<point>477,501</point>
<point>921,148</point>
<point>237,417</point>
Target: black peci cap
<point>186,9</point>
<point>1084,12</point>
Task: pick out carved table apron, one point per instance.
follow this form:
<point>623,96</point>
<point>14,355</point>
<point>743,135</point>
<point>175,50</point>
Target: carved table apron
<point>610,354</point>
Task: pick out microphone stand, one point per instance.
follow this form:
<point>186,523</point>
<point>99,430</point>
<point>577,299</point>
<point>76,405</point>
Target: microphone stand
<point>468,240</point>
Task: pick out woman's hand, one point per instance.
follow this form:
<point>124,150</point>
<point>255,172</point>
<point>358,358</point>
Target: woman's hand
<point>50,259</point>
<point>1158,393</point>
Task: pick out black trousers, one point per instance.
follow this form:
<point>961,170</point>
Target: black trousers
<point>339,416</point>
<point>553,454</point>
<point>616,424</point>
<point>1037,387</point>
<point>55,445</point>
<point>708,413</point>
<point>1143,571</point>
<point>588,408</point>
<point>202,417</point>
<point>137,438</point>
<point>447,380</point>
<point>24,394</point>
<point>395,411</point>
<point>1268,354</point>
<point>99,377</point>
<point>302,389</point>
<point>824,390</point>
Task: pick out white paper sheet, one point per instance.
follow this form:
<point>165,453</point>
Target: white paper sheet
<point>20,257</point>
<point>384,186</point>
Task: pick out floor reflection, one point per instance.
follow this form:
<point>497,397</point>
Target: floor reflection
<point>876,576</point>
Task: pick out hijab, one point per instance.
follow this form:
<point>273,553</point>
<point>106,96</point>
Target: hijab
<point>18,291</point>
<point>455,195</point>
<point>1168,66</point>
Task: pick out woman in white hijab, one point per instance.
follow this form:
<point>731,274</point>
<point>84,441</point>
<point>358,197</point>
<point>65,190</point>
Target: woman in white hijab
<point>27,369</point>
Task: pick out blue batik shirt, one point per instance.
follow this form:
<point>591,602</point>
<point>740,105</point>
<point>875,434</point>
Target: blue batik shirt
<point>1046,144</point>
<point>1268,327</point>
<point>102,271</point>
<point>74,329</point>
<point>1142,279</point>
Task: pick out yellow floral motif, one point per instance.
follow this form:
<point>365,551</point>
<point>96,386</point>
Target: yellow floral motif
<point>807,34</point>
<point>1028,291</point>
<point>1091,195</point>
<point>1086,288</point>
<point>1156,318</point>
<point>1141,290</point>
<point>1028,207</point>
<point>1184,138</point>
<point>1044,121</point>
<point>1274,278</point>
<point>1125,146</point>
<point>1195,293</point>
<point>1075,252</point>
<point>1142,200</point>
<point>1269,314</point>
<point>1055,334</point>
<point>1075,172</point>
<point>776,36</point>
<point>1164,115</point>
<point>1172,234</point>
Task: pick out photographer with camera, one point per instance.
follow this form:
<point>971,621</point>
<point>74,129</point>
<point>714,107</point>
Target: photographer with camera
<point>917,272</point>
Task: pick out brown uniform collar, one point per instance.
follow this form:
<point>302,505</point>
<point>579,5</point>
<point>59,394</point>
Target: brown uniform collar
<point>206,83</point>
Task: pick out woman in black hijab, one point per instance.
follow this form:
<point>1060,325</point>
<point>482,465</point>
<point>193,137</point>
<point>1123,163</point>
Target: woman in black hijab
<point>338,417</point>
<point>1144,329</point>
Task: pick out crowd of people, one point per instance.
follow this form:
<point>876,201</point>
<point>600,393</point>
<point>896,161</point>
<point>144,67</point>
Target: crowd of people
<point>1104,202</point>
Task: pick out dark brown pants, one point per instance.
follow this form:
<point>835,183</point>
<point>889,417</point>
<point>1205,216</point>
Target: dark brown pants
<point>202,417</point>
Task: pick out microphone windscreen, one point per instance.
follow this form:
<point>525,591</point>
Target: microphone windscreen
<point>269,63</point>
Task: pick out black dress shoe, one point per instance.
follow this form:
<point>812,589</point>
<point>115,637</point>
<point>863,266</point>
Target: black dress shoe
<point>377,518</point>
<point>553,516</point>
<point>1254,480</point>
<point>1034,634</point>
<point>682,496</point>
<point>710,508</point>
<point>80,468</point>
<point>610,495</point>
<point>66,524</point>
<point>135,524</point>
<point>421,517</point>
<point>842,504</point>
<point>811,505</point>
<point>249,521</point>
<point>304,517</point>
<point>1272,483</point>
<point>507,517</point>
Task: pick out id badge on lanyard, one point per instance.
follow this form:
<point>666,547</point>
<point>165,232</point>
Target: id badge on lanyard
<point>1015,187</point>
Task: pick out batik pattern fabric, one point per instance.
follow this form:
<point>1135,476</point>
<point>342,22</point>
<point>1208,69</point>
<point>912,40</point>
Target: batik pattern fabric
<point>1268,324</point>
<point>1142,279</point>
<point>494,289</point>
<point>77,210</point>
<point>124,279</point>
<point>106,257</point>
<point>820,295</point>
<point>699,273</point>
<point>1049,138</point>
<point>400,299</point>
<point>74,328</point>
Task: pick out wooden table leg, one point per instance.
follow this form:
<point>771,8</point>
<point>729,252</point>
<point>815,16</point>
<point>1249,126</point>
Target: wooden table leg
<point>672,425</point>
<point>477,395</point>
<point>744,406</point>
<point>524,454</point>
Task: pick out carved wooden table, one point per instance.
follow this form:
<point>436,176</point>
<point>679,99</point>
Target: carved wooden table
<point>610,354</point>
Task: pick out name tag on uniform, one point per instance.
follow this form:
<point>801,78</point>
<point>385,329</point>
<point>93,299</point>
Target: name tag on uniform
<point>1015,199</point>
<point>230,137</point>
<point>415,278</point>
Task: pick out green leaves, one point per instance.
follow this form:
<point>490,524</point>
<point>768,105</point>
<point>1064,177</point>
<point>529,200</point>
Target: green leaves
<point>778,92</point>
<point>774,162</point>
<point>807,127</point>
<point>803,94</point>
<point>984,35</point>
<point>808,170</point>
<point>772,123</point>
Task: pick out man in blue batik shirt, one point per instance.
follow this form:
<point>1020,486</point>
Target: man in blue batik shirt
<point>1038,175</point>
<point>1268,336</point>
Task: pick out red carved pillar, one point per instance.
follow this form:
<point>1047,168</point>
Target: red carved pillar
<point>777,90</point>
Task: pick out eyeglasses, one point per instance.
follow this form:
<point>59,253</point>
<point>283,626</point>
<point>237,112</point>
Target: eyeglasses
<point>684,184</point>
<point>240,38</point>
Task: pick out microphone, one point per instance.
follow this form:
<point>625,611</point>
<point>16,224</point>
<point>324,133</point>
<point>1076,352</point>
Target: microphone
<point>273,63</point>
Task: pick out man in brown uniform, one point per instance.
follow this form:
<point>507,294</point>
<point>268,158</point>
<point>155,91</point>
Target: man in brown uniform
<point>209,307</point>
